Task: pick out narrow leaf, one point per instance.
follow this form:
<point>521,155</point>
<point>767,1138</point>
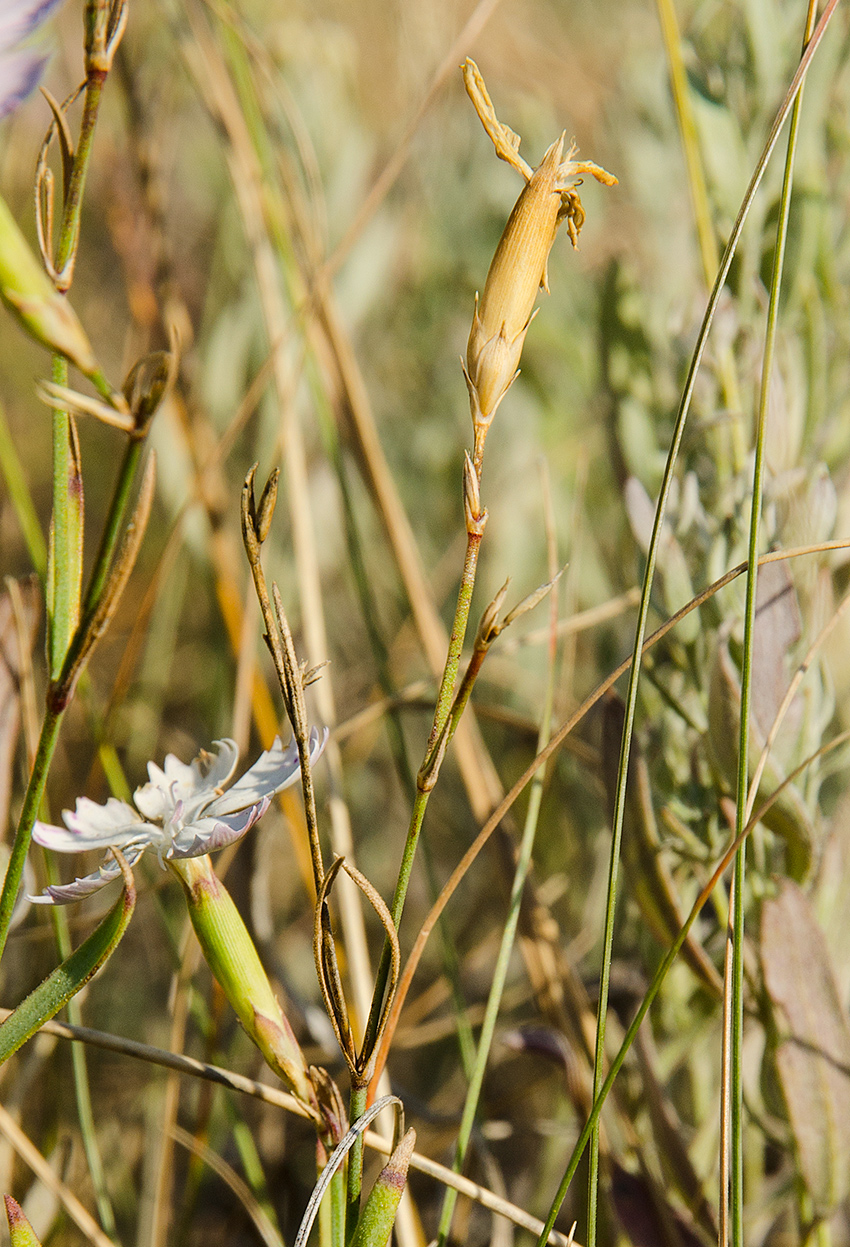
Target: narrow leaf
<point>66,980</point>
<point>376,1220</point>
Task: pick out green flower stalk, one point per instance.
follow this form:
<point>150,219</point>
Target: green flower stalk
<point>232,957</point>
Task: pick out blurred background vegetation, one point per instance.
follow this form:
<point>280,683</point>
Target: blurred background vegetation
<point>236,148</point>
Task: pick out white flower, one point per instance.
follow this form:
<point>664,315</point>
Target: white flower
<point>182,812</point>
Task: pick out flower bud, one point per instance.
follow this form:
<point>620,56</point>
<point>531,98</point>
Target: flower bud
<point>518,269</point>
<point>517,272</point>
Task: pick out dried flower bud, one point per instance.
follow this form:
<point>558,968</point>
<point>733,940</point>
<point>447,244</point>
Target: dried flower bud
<point>265,510</point>
<point>146,385</point>
<point>519,266</point>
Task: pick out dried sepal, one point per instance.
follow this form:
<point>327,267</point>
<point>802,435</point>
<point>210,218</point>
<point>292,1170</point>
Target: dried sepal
<point>331,1103</point>
<point>505,141</point>
<point>327,970</point>
<point>146,385</point>
<point>115,414</point>
<point>475,516</point>
<point>265,509</point>
<point>489,627</point>
<point>105,22</point>
<point>44,182</point>
<point>66,142</point>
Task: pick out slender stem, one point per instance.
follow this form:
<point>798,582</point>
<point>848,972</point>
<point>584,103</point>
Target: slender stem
<point>23,835</point>
<point>112,527</point>
<point>500,973</point>
<point>60,685</point>
<point>441,714</point>
<point>62,560</point>
<point>736,1106</point>
<point>447,684</point>
<point>356,1109</point>
<point>69,234</point>
<point>338,1209</point>
<point>652,554</point>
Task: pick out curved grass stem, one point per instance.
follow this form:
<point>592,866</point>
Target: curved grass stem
<point>643,609</point>
<point>735,1063</point>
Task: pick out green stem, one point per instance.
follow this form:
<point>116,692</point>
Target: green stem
<point>29,812</point>
<point>100,572</point>
<point>61,622</point>
<point>398,748</point>
<point>338,1209</point>
<point>356,1109</point>
<point>736,1106</point>
<point>447,684</point>
<point>69,234</point>
<point>441,714</point>
<point>112,528</point>
<point>500,974</point>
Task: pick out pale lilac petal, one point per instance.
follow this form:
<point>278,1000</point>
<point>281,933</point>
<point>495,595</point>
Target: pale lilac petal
<point>194,784</point>
<point>19,18</point>
<point>108,872</point>
<point>206,835</point>
<point>20,73</point>
<point>273,771</point>
<point>93,826</point>
<point>173,775</point>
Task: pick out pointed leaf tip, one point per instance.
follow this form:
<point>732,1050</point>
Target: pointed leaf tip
<point>20,1230</point>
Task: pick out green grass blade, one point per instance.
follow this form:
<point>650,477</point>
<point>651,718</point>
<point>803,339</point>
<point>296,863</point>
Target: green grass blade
<point>736,1090</point>
<point>66,980</point>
